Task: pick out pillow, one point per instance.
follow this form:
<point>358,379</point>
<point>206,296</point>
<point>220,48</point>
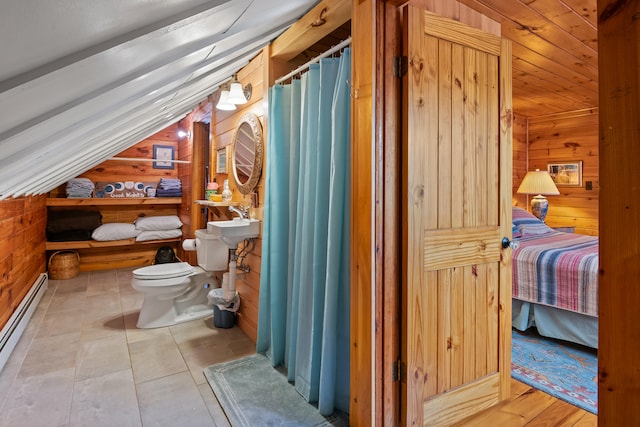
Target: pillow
<point>521,216</point>
<point>166,222</point>
<point>115,231</point>
<point>515,231</point>
<point>527,229</point>
<point>158,234</point>
<point>527,223</point>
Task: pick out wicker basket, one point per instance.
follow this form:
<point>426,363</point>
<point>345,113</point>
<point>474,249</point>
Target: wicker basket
<point>64,265</point>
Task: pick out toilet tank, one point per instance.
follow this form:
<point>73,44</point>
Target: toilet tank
<point>212,254</point>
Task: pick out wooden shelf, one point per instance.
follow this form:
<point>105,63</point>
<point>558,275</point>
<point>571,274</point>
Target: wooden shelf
<point>84,244</point>
<point>122,201</point>
<point>216,204</point>
<point>101,255</point>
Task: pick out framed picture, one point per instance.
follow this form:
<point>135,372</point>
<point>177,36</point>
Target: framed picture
<point>567,174</point>
<point>221,160</point>
<point>163,156</point>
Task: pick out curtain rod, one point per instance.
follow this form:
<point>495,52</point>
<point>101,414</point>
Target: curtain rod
<point>331,51</point>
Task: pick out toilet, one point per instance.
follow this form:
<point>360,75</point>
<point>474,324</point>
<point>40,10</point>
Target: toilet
<point>177,292</point>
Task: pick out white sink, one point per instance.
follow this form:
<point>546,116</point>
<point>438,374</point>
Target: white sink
<point>234,231</point>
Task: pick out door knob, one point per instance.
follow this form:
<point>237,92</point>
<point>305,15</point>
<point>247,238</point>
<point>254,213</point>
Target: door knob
<point>506,243</point>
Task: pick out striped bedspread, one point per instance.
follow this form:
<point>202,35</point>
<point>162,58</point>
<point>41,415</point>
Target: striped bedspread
<point>557,269</point>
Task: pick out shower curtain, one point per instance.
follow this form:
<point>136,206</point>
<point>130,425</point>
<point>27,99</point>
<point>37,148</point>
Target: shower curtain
<point>303,319</point>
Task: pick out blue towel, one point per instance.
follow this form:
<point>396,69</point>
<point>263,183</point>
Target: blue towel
<point>168,193</point>
<point>169,184</point>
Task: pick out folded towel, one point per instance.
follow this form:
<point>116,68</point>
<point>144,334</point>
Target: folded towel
<point>169,184</point>
<point>80,187</point>
<point>168,193</point>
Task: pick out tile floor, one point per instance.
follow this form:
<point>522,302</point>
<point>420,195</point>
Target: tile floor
<point>82,362</point>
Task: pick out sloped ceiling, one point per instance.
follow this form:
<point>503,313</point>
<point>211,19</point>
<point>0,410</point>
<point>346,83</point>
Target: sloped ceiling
<point>82,80</point>
<point>555,52</point>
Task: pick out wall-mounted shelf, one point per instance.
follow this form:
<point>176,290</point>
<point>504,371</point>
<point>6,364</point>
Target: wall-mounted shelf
<point>85,244</point>
<point>216,204</point>
<point>120,201</point>
<point>101,255</point>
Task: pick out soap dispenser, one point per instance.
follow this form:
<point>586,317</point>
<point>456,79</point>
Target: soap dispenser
<point>226,192</point>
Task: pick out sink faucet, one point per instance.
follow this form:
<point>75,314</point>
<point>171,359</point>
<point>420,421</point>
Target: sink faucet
<point>243,213</point>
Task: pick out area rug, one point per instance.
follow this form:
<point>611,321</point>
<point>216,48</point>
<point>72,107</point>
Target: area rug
<point>562,370</point>
<point>252,393</point>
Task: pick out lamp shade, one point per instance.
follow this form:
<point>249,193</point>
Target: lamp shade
<point>236,94</point>
<point>538,182</point>
<point>223,102</point>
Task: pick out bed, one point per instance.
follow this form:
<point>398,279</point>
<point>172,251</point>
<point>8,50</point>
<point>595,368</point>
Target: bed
<point>555,278</point>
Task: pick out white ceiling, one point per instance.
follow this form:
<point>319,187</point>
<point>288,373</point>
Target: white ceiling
<point>81,80</point>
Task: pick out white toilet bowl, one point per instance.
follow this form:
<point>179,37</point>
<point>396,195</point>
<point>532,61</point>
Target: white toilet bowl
<point>177,292</point>
<point>173,293</point>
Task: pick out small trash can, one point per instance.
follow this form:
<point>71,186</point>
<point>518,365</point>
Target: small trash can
<point>223,318</point>
<point>224,311</point>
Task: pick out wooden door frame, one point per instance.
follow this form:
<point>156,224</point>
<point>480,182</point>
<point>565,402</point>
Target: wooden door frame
<point>375,232</point>
<point>618,339</point>
<point>388,227</point>
<point>386,40</point>
<point>376,39</point>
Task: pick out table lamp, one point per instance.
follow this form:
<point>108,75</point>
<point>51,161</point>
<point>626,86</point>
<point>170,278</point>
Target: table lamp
<point>538,182</point>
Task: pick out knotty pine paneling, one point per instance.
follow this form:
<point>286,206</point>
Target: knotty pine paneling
<point>570,136</point>
<point>223,124</point>
<point>192,174</point>
<point>22,254</point>
<point>555,55</point>
<point>115,170</point>
<point>363,106</point>
<point>519,158</point>
<point>618,296</point>
<point>143,171</point>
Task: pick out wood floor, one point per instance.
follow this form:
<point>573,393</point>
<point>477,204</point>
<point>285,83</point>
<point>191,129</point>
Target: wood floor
<point>531,407</point>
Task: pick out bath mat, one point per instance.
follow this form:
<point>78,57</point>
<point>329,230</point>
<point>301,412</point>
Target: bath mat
<point>567,372</point>
<point>252,393</point>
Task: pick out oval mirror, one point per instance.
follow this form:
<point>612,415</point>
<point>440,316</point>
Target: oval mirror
<point>247,153</point>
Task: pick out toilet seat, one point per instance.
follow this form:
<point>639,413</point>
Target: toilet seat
<point>164,271</point>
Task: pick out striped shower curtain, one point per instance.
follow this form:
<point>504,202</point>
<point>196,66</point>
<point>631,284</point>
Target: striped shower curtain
<point>304,282</point>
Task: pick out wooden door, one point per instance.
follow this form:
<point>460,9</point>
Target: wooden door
<point>456,321</point>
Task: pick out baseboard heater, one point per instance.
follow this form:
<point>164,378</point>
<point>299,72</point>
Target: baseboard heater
<point>18,321</point>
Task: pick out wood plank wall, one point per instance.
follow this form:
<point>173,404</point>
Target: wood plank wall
<point>194,149</point>
<point>570,136</point>
<point>364,54</point>
<point>22,254</point>
<point>223,124</point>
<point>185,150</point>
<point>519,158</point>
<point>619,295</point>
<point>115,170</point>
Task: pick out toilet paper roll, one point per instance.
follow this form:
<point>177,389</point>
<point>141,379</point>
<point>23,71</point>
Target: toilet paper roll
<point>189,244</point>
